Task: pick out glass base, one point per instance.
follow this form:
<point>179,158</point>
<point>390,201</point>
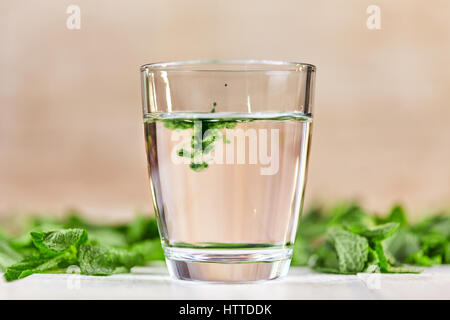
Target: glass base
<point>227,265</point>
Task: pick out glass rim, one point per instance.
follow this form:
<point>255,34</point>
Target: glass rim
<point>228,65</point>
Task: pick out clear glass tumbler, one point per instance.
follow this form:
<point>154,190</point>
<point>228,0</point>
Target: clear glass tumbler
<point>227,145</point>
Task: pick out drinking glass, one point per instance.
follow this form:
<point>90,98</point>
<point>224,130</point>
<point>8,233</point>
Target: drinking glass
<point>227,146</point>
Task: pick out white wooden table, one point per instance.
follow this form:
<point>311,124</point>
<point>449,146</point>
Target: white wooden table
<point>301,283</point>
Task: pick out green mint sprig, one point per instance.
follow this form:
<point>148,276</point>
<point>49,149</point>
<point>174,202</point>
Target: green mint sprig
<point>95,249</point>
<point>206,133</point>
<point>348,240</point>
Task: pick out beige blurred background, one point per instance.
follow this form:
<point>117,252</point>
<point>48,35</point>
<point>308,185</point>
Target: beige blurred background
<point>70,113</point>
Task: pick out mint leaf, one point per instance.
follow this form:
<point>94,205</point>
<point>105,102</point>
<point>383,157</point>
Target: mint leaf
<point>14,271</point>
<point>398,215</point>
<point>422,259</point>
<point>402,244</point>
<point>352,250</point>
<point>96,260</point>
<point>57,249</point>
<point>54,242</point>
<point>35,225</point>
<point>142,228</point>
<point>37,265</point>
<point>312,225</point>
<point>351,217</point>
<point>8,255</point>
<point>325,259</point>
<point>437,224</point>
<point>150,250</point>
<point>432,251</point>
<point>345,252</point>
<point>99,260</point>
<point>379,232</point>
<point>107,237</point>
<point>301,253</point>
